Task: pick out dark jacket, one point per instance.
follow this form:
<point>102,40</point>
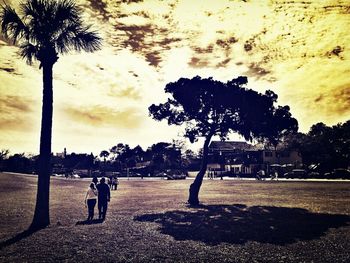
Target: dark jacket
<point>104,193</point>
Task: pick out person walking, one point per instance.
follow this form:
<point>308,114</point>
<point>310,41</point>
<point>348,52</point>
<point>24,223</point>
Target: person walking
<point>90,200</point>
<point>104,196</point>
<point>95,180</point>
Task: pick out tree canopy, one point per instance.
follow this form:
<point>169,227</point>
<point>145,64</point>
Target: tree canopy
<point>208,106</point>
<point>327,147</point>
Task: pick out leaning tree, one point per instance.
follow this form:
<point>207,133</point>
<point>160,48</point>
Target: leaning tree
<point>42,30</point>
<point>208,108</point>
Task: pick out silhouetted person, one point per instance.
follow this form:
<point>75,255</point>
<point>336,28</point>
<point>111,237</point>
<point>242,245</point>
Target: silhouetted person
<point>90,200</point>
<point>104,196</point>
<point>260,175</point>
<point>95,180</point>
<point>110,182</point>
<point>116,183</point>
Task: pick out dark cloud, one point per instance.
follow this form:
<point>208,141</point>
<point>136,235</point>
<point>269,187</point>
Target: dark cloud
<point>104,116</point>
<point>134,74</point>
<point>14,113</point>
<point>131,1</point>
<point>154,58</point>
<point>223,63</point>
<point>319,98</point>
<point>226,43</point>
<point>9,70</point>
<point>197,62</point>
<point>257,71</point>
<point>340,101</point>
<point>335,102</point>
<point>101,8</point>
<point>207,50</point>
<point>136,35</point>
<point>148,40</point>
<point>10,104</point>
<point>335,52</point>
<point>342,9</point>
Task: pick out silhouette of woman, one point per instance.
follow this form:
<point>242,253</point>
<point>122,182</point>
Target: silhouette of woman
<point>90,200</point>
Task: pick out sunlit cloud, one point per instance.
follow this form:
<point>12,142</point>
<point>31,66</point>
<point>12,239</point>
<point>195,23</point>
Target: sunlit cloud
<point>98,116</point>
<point>299,49</point>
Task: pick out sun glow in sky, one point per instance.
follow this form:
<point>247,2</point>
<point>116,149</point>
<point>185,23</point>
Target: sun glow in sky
<point>298,49</point>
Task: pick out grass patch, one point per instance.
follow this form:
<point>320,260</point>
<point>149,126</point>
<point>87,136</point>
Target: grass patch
<point>149,220</point>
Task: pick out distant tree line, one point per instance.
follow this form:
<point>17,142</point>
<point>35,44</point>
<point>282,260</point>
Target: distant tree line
<point>323,147</point>
<point>155,159</point>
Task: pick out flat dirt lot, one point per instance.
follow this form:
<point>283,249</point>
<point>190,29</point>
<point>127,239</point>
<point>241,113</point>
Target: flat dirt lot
<point>149,221</point>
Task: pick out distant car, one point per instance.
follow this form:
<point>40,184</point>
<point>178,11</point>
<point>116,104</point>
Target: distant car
<point>75,176</point>
<point>177,175</point>
<point>339,173</point>
<point>134,174</point>
<point>296,173</point>
<point>161,174</point>
<point>313,175</point>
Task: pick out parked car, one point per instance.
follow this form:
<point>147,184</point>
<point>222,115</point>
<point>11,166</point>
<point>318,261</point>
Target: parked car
<point>176,175</point>
<point>314,175</point>
<point>161,174</point>
<point>296,173</point>
<point>339,173</point>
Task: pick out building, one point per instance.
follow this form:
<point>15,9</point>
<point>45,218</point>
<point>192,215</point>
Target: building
<point>242,158</point>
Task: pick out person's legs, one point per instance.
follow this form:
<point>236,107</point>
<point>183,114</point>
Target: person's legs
<point>91,205</point>
<point>99,205</point>
<point>104,211</point>
<point>93,208</point>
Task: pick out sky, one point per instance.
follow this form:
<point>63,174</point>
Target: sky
<point>298,49</point>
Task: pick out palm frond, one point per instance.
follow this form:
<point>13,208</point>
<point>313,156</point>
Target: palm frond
<point>46,25</point>
<point>64,39</point>
<point>78,38</point>
<point>38,14</point>
<point>86,40</point>
<point>12,26</point>
<point>66,11</point>
<point>28,52</point>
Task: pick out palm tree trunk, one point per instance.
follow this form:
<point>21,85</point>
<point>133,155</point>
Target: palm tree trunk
<point>196,185</point>
<point>41,215</point>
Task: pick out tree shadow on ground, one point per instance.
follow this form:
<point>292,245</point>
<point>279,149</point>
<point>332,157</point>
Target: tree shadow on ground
<point>90,222</point>
<point>238,224</point>
<point>18,237</point>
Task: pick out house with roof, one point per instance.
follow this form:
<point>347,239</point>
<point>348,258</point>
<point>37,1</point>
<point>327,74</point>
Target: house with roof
<point>242,158</point>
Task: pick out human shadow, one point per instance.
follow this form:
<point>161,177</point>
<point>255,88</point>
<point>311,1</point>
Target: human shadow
<point>90,222</point>
<point>18,237</point>
<point>238,224</point>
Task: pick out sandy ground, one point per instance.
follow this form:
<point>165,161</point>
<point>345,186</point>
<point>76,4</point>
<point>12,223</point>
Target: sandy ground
<point>149,221</point>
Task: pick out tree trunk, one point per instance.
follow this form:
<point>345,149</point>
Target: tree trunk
<point>196,185</point>
<point>41,215</point>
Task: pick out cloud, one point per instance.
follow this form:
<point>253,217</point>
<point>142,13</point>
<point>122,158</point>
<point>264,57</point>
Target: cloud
<point>101,7</point>
<point>258,72</point>
<point>15,113</point>
<point>337,101</point>
<point>130,93</point>
<point>99,115</point>
<point>17,103</point>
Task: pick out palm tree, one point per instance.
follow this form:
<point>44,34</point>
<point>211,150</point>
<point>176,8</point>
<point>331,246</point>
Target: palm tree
<point>42,30</point>
<point>104,154</point>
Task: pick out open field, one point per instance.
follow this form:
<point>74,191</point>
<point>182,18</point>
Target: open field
<point>149,221</point>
